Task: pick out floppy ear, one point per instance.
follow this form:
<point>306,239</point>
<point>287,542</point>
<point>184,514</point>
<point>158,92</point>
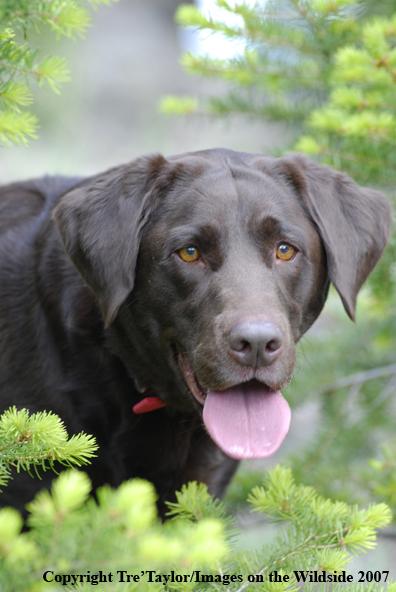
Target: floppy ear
<point>353,221</point>
<point>101,225</point>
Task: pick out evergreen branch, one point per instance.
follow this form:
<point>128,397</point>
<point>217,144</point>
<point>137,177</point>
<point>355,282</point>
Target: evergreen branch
<point>315,24</point>
<point>309,145</point>
<point>280,496</point>
<point>69,528</point>
<point>229,69</point>
<point>358,378</point>
<point>194,503</point>
<point>19,64</point>
<point>17,127</point>
<point>32,440</point>
<point>14,67</point>
<point>27,14</point>
<point>266,31</point>
<point>14,94</point>
<point>52,70</point>
<point>302,549</point>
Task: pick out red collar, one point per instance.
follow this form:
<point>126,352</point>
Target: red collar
<point>148,404</point>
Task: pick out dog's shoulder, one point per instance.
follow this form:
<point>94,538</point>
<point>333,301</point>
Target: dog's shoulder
<point>27,239</point>
<point>22,202</point>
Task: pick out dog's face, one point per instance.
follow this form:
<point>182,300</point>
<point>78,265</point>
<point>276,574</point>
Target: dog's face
<point>209,267</point>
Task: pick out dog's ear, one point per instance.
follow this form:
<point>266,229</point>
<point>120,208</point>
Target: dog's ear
<point>353,221</point>
<point>101,223</point>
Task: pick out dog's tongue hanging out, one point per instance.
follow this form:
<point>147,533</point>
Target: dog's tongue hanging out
<point>248,420</point>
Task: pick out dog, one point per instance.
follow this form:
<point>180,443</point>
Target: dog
<point>157,306</point>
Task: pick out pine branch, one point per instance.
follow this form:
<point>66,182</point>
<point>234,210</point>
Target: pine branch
<point>72,534</point>
<point>39,440</point>
<point>19,63</point>
<point>359,378</point>
<point>297,55</point>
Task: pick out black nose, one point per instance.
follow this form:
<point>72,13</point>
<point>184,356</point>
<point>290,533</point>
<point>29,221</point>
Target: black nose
<point>255,343</point>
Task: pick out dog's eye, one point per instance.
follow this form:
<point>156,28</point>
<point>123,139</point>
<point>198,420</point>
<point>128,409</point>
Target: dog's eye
<point>285,252</point>
<point>189,254</point>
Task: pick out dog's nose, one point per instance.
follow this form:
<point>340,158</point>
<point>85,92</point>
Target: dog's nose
<point>255,343</point>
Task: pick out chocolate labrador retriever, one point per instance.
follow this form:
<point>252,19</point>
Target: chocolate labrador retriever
<point>157,306</point>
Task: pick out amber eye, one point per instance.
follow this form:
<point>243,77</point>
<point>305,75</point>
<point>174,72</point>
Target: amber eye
<point>285,252</point>
<point>189,254</point>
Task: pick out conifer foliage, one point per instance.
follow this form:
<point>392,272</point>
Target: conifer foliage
<point>117,542</point>
<point>39,440</point>
<point>320,65</point>
<point>21,64</point>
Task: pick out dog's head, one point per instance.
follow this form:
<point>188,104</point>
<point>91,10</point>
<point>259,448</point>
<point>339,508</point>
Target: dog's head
<point>210,266</point>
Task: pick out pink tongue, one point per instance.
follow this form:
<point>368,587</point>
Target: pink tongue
<point>247,421</point>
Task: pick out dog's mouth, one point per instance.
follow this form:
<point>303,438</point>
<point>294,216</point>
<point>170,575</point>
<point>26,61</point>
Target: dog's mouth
<point>247,420</point>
